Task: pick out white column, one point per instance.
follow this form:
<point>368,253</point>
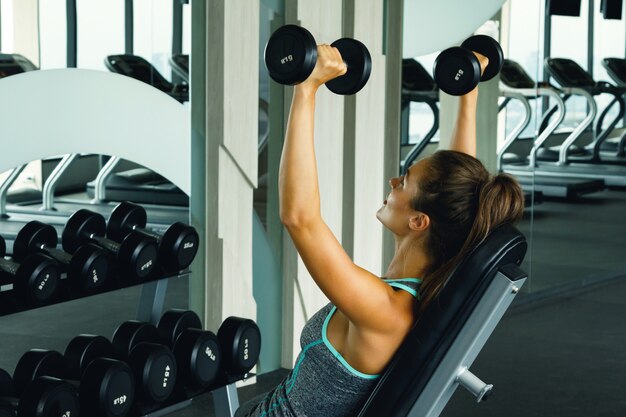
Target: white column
<point>26,28</point>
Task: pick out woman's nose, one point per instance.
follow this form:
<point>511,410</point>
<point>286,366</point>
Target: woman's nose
<point>393,182</point>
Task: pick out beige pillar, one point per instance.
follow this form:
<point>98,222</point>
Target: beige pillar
<point>230,157</point>
<point>26,29</point>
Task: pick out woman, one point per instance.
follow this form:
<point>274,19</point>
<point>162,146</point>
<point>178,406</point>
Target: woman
<point>443,207</point>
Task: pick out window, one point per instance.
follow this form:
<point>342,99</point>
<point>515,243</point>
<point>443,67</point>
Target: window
<point>52,34</point>
<point>153,32</point>
<point>6,14</point>
<point>100,31</point>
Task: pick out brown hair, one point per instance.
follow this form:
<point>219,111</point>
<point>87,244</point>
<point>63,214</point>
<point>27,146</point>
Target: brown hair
<point>464,203</point>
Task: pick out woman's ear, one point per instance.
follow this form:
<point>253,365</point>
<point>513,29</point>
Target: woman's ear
<point>420,222</point>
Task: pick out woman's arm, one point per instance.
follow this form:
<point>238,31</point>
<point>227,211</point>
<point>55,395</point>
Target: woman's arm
<point>364,298</point>
<point>464,133</point>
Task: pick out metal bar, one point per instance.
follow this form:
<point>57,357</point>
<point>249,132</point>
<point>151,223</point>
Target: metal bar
<point>520,126</point>
<point>467,345</point>
<point>591,115</point>
<point>129,27</point>
<point>53,180</point>
<point>72,33</point>
<point>421,145</point>
<point>151,301</point>
<point>226,401</point>
<point>177,27</point>
<point>4,189</point>
<point>99,189</point>
<point>543,136</point>
<point>547,47</point>
<point>170,409</point>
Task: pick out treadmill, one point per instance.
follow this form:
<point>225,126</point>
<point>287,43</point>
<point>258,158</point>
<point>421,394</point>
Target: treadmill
<point>516,84</point>
<point>616,68</point>
<point>569,74</point>
<point>571,166</point>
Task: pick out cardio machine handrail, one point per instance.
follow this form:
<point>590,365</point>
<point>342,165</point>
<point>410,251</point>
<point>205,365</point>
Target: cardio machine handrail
<point>510,94</point>
<point>582,126</point>
<point>4,188</point>
<point>53,180</point>
<point>545,134</point>
<point>99,189</point>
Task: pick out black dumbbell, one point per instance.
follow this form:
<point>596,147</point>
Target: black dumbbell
<point>42,397</point>
<point>240,343</point>
<point>87,269</point>
<point>291,54</point>
<point>153,364</point>
<point>110,384</point>
<point>197,351</point>
<point>105,386</point>
<point>135,256</point>
<point>457,70</point>
<point>35,279</point>
<point>177,246</point>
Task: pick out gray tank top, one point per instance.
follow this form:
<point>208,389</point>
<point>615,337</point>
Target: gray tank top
<point>322,383</point>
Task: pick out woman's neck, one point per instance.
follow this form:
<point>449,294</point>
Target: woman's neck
<point>409,261</point>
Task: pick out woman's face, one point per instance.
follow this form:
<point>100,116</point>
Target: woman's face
<point>396,210</point>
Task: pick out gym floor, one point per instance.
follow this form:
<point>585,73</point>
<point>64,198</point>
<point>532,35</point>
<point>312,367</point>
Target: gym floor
<point>558,351</point>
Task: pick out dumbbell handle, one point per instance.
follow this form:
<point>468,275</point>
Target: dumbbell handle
<point>8,266</point>
<point>58,255</point>
<point>107,244</point>
<point>147,232</point>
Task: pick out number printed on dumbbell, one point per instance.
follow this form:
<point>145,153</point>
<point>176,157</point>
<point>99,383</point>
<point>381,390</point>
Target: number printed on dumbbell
<point>458,75</point>
<point>166,376</point>
<point>66,414</point>
<point>43,282</point>
<point>94,277</point>
<point>188,245</point>
<point>121,400</point>
<point>286,59</point>
<point>210,354</point>
<point>146,265</point>
<point>245,350</point>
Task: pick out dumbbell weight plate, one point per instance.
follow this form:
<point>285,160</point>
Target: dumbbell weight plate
<point>155,371</point>
<point>125,214</point>
<point>80,224</point>
<point>174,322</point>
<point>6,390</point>
<point>359,63</point>
<point>130,333</point>
<point>240,343</point>
<point>36,363</point>
<point>89,268</point>
<point>32,234</point>
<point>489,47</point>
<point>6,410</point>
<point>47,396</point>
<point>137,255</point>
<point>198,356</point>
<point>110,382</point>
<point>456,71</point>
<point>85,348</point>
<point>43,276</point>
<point>178,247</point>
<point>290,54</point>
<point>3,247</point>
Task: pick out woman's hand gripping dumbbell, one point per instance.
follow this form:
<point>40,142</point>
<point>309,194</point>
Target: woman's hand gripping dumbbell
<point>459,69</point>
<point>291,55</point>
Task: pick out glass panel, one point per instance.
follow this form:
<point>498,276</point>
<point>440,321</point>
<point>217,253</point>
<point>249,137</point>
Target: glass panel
<point>153,32</point>
<point>100,31</point>
<point>52,34</point>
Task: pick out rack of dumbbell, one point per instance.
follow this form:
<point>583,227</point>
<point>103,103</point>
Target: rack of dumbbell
<point>144,370</point>
<point>95,257</point>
